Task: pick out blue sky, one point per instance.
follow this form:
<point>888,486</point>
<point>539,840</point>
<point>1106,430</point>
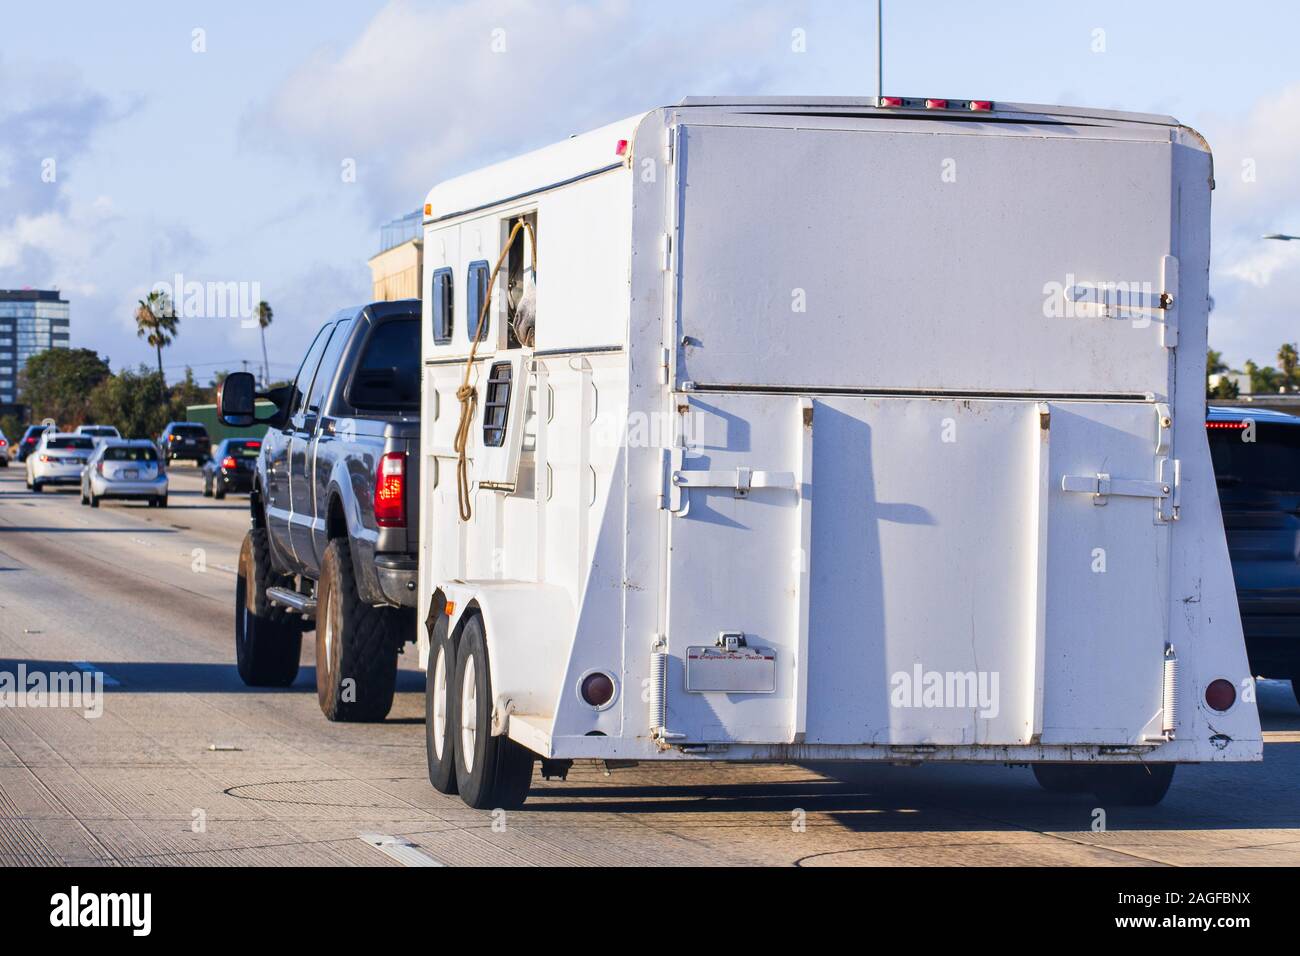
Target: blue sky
<point>225,165</point>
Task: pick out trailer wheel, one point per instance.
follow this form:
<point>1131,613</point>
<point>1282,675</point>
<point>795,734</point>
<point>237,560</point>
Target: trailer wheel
<point>267,640</point>
<point>491,772</point>
<point>1132,785</point>
<point>440,724</point>
<point>356,644</point>
<point>1062,777</point>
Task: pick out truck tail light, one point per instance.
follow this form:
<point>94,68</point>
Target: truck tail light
<point>390,491</point>
<point>981,106</point>
<point>1220,695</point>
<point>936,104</point>
<point>891,102</point>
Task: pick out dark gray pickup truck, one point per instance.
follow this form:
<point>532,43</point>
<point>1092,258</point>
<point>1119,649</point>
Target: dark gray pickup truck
<point>334,523</point>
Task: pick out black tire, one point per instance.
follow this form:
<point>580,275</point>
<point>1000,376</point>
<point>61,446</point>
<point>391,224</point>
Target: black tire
<point>356,644</point>
<point>440,724</point>
<point>1062,777</point>
<point>162,501</point>
<point>207,487</point>
<point>36,487</point>
<point>218,491</point>
<point>94,502</point>
<point>84,500</point>
<point>1295,686</point>
<point>1132,785</point>
<point>268,640</point>
<point>491,772</point>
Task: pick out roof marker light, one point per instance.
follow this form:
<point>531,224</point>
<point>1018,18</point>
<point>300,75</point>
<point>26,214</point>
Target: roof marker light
<point>890,101</point>
<point>932,104</point>
<point>981,106</point>
<point>621,148</point>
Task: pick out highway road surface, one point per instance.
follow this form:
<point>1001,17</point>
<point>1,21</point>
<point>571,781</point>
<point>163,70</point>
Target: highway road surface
<point>187,766</point>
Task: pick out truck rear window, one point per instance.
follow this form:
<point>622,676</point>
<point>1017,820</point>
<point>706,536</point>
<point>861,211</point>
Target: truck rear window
<point>388,375</point>
<point>1271,462</point>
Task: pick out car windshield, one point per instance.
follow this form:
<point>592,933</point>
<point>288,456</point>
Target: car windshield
<point>70,443</point>
<point>1265,457</point>
<point>130,453</point>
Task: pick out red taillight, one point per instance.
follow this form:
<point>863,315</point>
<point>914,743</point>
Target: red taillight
<point>620,149</point>
<point>3,443</point>
<point>891,101</point>
<point>46,458</point>
<point>981,106</point>
<point>100,468</point>
<point>932,104</point>
<point>597,689</point>
<point>1225,424</point>
<point>229,463</point>
<point>390,498</point>
<point>253,444</point>
<point>1220,695</point>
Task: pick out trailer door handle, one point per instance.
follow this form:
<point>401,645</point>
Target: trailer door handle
<point>740,480</point>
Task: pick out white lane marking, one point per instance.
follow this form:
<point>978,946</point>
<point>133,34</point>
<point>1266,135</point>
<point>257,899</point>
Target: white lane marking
<point>90,668</point>
<point>400,849</point>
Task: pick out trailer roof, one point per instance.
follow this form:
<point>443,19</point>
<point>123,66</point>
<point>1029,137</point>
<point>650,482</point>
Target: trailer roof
<point>595,152</point>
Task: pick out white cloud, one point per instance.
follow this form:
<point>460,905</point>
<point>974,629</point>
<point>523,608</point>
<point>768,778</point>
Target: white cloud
<point>1256,282</point>
<point>427,90</point>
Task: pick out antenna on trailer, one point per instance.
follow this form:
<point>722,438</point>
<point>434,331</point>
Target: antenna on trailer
<point>880,51</point>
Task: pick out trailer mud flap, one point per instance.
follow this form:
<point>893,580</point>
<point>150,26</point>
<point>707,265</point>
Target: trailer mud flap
<point>920,570</point>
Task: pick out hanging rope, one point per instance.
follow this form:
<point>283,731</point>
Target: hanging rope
<point>467,393</point>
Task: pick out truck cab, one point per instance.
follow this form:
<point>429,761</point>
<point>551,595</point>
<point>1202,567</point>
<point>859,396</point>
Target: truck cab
<point>333,538</point>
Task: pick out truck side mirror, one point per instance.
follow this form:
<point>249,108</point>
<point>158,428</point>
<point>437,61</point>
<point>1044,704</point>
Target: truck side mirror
<point>236,400</point>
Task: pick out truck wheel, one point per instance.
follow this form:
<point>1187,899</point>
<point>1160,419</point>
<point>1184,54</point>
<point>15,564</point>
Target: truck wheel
<point>439,715</point>
<point>356,644</point>
<point>1132,785</point>
<point>1062,777</point>
<point>268,640</point>
<point>491,772</point>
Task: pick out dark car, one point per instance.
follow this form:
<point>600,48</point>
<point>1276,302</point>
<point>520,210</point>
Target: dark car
<point>27,444</point>
<point>187,440</point>
<point>231,467</point>
<point>1256,454</point>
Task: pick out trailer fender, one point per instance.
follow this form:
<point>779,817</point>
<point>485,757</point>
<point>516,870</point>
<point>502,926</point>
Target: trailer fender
<point>528,628</point>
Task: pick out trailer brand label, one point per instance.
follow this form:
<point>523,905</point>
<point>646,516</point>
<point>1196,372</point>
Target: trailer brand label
<point>946,689</point>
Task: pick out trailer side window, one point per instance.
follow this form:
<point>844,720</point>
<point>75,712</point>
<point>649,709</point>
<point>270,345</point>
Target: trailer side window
<point>476,288</point>
<point>496,407</point>
<point>442,306</point>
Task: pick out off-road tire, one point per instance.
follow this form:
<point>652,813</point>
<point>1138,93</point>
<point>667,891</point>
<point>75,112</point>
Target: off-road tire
<point>268,640</point>
<point>356,644</point>
<point>1062,777</point>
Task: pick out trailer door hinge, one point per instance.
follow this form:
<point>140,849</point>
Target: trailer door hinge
<point>1169,300</point>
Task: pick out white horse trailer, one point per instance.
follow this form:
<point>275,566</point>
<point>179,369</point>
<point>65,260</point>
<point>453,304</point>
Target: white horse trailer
<point>844,432</point>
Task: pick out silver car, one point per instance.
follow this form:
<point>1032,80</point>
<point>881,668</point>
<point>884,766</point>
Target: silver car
<point>125,469</point>
<point>58,459</point>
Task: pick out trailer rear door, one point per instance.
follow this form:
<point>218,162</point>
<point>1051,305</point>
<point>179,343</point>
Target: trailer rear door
<point>933,258</point>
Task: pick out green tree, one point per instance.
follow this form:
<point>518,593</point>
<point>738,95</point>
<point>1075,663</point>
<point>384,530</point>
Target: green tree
<point>1287,360</point>
<point>57,384</point>
<point>264,317</point>
<point>1214,363</point>
<point>1261,379</point>
<point>156,322</point>
<point>129,400</point>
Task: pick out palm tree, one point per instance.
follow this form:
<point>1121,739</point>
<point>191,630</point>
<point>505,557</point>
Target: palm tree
<point>264,317</point>
<point>1287,360</point>
<point>156,322</point>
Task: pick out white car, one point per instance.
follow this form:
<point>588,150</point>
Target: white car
<point>58,459</point>
<point>98,432</point>
<point>125,469</point>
